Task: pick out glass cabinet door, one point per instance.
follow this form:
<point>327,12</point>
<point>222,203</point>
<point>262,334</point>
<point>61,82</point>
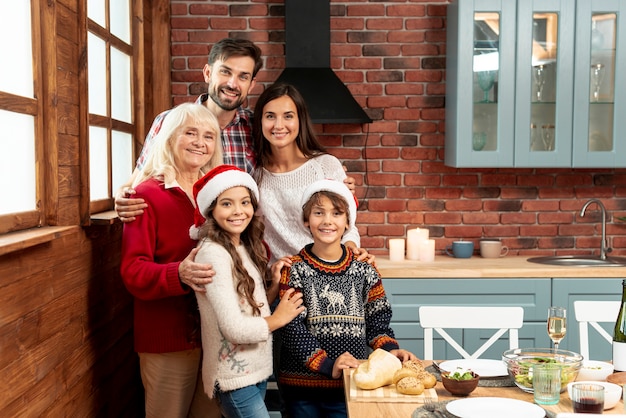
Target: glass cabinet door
<point>599,86</point>
<point>543,109</point>
<point>479,127</point>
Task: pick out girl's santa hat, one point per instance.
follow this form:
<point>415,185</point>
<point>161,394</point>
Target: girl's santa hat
<point>336,187</point>
<point>213,184</point>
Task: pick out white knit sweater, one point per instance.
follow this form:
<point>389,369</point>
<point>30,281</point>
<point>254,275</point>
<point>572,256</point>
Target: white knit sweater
<point>237,346</point>
<point>280,195</point>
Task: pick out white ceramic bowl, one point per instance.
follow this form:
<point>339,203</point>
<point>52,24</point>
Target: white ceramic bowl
<point>594,370</point>
<point>612,392</point>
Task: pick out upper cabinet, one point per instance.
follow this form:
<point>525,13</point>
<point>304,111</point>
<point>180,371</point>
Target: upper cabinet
<point>536,83</point>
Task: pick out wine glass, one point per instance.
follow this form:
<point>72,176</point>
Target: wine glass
<point>557,325</point>
<point>547,134</point>
<point>486,80</point>
<point>539,75</point>
<point>597,76</point>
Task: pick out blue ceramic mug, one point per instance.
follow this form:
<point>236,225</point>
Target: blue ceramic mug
<point>460,249</point>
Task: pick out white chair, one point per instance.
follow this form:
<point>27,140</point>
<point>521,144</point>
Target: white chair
<point>500,318</point>
<point>590,312</point>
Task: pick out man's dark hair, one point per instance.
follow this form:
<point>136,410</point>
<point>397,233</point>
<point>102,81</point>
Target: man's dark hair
<point>229,47</point>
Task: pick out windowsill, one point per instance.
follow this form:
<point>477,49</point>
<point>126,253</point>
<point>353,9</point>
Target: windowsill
<point>104,218</point>
<point>20,240</point>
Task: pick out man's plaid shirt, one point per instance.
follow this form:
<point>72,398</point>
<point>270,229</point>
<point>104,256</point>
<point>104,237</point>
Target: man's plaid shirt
<point>236,138</point>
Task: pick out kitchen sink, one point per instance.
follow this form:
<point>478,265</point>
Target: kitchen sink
<point>580,261</point>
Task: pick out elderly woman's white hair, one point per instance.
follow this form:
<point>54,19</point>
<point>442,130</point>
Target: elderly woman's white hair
<point>160,161</point>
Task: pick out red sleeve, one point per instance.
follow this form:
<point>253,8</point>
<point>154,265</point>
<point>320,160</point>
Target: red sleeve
<point>150,254</point>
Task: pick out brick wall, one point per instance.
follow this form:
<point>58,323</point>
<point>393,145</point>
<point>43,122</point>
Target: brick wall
<point>391,55</point>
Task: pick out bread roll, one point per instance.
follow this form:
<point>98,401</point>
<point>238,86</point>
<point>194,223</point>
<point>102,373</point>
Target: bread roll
<point>410,386</point>
<point>377,371</point>
<point>415,365</point>
<point>429,380</point>
<point>402,373</point>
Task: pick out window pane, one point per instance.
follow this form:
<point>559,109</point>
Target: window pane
<point>95,11</point>
<point>17,159</point>
<point>120,19</point>
<point>120,86</point>
<point>121,158</point>
<point>96,52</point>
<point>98,163</point>
<point>16,47</point>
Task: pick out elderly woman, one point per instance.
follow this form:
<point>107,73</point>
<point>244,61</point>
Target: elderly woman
<point>157,260</point>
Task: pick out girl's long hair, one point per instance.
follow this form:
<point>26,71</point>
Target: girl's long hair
<point>160,161</point>
<point>252,240</point>
<point>306,141</point>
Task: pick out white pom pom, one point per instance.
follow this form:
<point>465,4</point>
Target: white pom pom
<point>194,232</point>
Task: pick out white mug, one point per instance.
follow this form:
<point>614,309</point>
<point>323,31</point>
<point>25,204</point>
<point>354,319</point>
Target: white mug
<point>493,249</point>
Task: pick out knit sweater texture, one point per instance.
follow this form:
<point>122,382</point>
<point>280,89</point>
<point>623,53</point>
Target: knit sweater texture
<point>280,195</point>
<point>237,345</point>
<point>153,246</point>
<point>346,310</point>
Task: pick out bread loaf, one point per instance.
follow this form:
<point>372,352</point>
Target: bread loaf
<point>377,371</point>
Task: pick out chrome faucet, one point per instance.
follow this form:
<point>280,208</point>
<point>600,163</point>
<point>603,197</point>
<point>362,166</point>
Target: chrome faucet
<point>604,248</point>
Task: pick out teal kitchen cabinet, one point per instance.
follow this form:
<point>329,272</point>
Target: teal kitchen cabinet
<point>566,291</point>
<point>407,295</point>
<point>534,83</point>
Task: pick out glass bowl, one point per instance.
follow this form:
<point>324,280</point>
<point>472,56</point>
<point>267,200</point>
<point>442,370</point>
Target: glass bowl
<point>520,361</point>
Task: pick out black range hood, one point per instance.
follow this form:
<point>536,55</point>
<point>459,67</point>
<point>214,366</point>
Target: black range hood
<point>307,50</point>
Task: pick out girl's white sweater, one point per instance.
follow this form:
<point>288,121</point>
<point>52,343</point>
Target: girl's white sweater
<point>237,346</point>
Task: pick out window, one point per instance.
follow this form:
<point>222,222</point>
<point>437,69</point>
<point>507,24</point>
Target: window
<point>74,99</point>
<point>110,99</point>
<point>20,117</point>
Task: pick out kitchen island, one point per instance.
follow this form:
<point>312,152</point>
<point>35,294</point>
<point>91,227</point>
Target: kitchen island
<point>505,281</point>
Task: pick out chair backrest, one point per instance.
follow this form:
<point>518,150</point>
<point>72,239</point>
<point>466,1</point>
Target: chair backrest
<point>591,312</point>
<point>500,318</point>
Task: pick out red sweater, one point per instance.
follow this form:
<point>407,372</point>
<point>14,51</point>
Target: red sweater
<point>153,246</point>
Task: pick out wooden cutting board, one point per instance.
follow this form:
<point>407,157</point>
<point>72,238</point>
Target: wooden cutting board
<point>385,394</point>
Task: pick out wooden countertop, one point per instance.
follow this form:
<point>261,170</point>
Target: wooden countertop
<point>478,267</point>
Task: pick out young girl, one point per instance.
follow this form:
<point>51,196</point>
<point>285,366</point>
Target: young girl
<point>347,310</point>
<point>235,314</point>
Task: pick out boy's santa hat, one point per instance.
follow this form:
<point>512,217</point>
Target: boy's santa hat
<point>213,184</point>
<point>336,187</point>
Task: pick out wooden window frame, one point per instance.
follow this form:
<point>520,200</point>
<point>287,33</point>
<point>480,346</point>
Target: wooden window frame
<point>61,113</point>
<point>34,107</point>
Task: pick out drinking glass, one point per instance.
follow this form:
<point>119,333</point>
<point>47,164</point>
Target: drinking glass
<point>556,324</point>
<point>597,76</point>
<point>486,79</point>
<point>588,398</point>
<point>539,75</point>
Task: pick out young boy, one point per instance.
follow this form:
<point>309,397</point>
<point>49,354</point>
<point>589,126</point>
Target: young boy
<point>346,312</point>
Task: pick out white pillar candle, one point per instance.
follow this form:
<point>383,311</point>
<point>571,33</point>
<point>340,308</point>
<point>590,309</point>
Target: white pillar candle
<point>396,249</point>
<point>422,233</point>
<point>427,250</point>
<point>412,244</point>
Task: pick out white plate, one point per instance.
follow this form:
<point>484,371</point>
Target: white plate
<point>494,408</point>
<point>482,367</point>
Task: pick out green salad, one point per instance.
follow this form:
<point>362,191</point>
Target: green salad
<point>524,371</point>
<point>461,374</point>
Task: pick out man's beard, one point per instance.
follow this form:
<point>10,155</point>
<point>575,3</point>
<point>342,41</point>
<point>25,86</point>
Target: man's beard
<point>225,105</point>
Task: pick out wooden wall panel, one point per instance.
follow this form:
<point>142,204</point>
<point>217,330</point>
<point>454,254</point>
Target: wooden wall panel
<point>66,329</point>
